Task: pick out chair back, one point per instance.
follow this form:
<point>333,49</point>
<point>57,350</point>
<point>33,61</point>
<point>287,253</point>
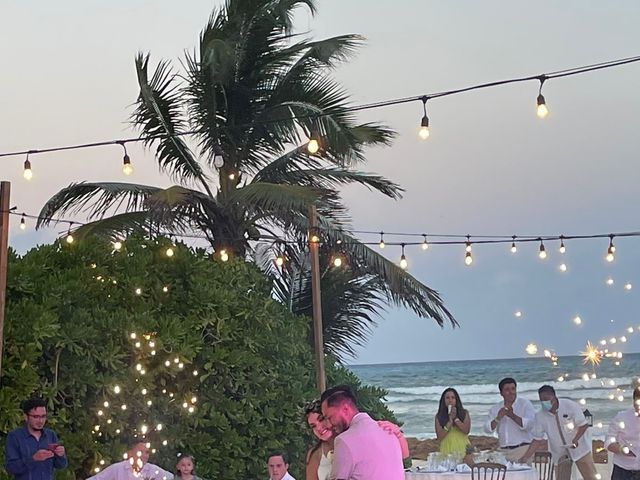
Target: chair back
<point>543,465</point>
<point>488,471</point>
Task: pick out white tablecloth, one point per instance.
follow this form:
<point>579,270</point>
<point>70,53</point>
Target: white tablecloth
<point>530,474</point>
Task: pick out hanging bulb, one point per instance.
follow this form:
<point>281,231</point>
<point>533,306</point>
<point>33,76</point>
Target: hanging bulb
<point>610,257</point>
<point>23,223</point>
<point>542,253</point>
<point>542,109</point>
<point>514,249</point>
<point>381,244</point>
<point>468,259</point>
<point>279,260</point>
<point>403,260</point>
<point>314,142</point>
<point>69,238</point>
<point>224,256</point>
<point>232,175</point>
<point>117,245</point>
<point>337,261</point>
<point>424,133</point>
<point>127,168</point>
<point>169,252</point>
<point>218,159</point>
<point>425,244</point>
<point>27,173</point>
<point>467,248</point>
<point>562,248</point>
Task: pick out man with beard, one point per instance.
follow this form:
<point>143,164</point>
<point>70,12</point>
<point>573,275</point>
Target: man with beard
<point>32,451</point>
<point>362,450</point>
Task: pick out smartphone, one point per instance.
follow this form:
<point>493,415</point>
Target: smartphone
<point>53,446</point>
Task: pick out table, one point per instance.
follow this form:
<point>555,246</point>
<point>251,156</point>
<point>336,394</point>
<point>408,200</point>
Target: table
<point>529,474</point>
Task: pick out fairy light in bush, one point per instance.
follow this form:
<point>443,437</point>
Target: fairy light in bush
<point>224,256</point>
<point>337,260</point>
<point>403,259</point>
<point>117,245</point>
<point>169,252</point>
<point>542,109</point>
<point>542,253</point>
<point>610,250</point>
<point>424,133</point>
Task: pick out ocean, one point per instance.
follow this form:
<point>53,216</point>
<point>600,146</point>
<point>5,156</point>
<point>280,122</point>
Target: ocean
<point>415,388</point>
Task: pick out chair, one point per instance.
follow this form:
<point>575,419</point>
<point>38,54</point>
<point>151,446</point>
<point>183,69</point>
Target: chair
<point>488,471</point>
<point>544,465</point>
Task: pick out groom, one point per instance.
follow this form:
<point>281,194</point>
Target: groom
<point>362,450</point>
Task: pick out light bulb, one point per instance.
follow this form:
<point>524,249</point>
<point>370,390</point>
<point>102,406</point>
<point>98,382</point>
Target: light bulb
<point>403,262</point>
<point>315,238</point>
<point>381,244</point>
<point>69,238</point>
<point>468,259</point>
<point>542,253</point>
<point>425,244</point>
<point>337,262</point>
<point>514,249</point>
<point>424,133</point>
<point>27,173</point>
<point>279,260</point>
<point>467,248</point>
<point>610,257</point>
<point>218,159</point>
<point>169,252</point>
<point>127,168</point>
<point>232,176</point>
<point>542,109</point>
<point>224,256</point>
<point>563,267</point>
<point>23,223</point>
<point>313,146</point>
<point>562,248</point>
<point>117,245</point>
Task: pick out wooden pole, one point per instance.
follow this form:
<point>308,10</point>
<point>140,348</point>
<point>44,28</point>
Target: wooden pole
<point>5,191</point>
<point>321,379</point>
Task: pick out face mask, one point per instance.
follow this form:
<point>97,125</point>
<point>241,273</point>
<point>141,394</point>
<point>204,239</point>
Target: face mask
<point>546,405</point>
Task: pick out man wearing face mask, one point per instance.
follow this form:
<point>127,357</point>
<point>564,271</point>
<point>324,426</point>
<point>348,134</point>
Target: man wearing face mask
<point>563,424</point>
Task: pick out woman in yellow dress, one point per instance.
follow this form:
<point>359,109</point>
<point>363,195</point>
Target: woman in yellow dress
<point>453,424</point>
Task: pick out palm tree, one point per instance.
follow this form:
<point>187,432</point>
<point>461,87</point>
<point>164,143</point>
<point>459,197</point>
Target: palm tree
<point>231,128</point>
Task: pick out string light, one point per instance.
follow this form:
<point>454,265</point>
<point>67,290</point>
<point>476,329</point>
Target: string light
<point>381,244</point>
<point>169,252</point>
<point>562,248</point>
<point>280,260</point>
<point>403,259</point>
<point>23,223</point>
<point>425,244</point>
<point>563,267</point>
<point>610,250</point>
<point>224,256</point>
<point>542,109</point>
<point>117,245</point>
<point>127,168</point>
<point>424,123</point>
<point>69,237</point>
<point>542,253</point>
<point>467,248</point>
<point>27,173</point>
<point>514,249</point>
<point>218,158</point>
<point>314,142</point>
<point>337,261</point>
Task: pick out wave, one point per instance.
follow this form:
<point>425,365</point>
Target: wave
<point>523,388</point>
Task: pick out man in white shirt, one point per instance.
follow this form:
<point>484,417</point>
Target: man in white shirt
<point>278,467</point>
<point>134,467</point>
<point>623,440</point>
<point>565,427</point>
<point>512,419</point>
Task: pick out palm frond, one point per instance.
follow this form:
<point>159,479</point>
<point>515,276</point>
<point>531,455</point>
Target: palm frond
<point>159,113</point>
<point>116,226</point>
<point>97,199</point>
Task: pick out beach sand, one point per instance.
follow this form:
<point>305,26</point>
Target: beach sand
<point>420,449</point>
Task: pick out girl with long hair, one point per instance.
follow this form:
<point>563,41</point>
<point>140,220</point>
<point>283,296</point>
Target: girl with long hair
<point>453,423</point>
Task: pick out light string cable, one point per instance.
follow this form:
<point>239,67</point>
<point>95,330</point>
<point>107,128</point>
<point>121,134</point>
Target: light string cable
<point>434,238</point>
<point>355,108</point>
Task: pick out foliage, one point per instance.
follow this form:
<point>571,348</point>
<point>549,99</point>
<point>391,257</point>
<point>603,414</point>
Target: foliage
<point>251,94</point>
<point>70,315</point>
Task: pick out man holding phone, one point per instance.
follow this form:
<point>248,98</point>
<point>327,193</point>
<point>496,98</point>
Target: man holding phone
<point>32,451</point>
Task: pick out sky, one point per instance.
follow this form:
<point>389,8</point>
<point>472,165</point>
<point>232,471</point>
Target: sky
<point>491,167</point>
